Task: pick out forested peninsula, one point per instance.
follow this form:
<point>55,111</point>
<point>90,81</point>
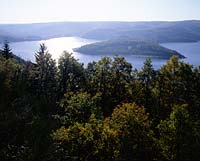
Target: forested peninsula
<point>139,48</point>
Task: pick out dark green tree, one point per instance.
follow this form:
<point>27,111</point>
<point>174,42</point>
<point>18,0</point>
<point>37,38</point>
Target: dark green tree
<point>179,136</point>
<point>45,73</point>
<point>147,77</point>
<point>121,79</point>
<point>6,50</point>
<point>78,107</point>
<point>72,75</point>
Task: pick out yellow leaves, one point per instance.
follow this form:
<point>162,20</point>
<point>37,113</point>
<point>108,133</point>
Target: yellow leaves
<point>122,117</point>
<point>172,65</point>
<point>108,132</point>
<point>82,131</point>
<point>60,134</point>
<point>97,137</point>
<point>123,114</point>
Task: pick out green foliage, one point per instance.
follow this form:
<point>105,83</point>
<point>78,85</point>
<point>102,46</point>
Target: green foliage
<point>12,117</point>
<point>147,78</point>
<point>126,135</point>
<point>112,79</point>
<point>6,51</point>
<point>174,85</point>
<point>121,78</point>
<point>71,74</point>
<point>179,136</point>
<point>9,72</point>
<point>77,107</point>
<point>45,73</point>
<point>56,112</point>
<point>89,141</point>
<point>133,127</point>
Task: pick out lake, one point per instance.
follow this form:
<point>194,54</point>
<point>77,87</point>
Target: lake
<point>56,46</point>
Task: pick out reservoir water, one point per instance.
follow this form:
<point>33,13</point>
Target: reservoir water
<point>56,46</point>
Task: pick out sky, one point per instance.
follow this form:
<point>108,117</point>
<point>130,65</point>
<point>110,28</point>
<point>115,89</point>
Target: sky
<point>32,11</point>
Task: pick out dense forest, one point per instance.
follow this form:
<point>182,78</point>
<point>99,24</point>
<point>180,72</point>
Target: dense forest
<point>107,111</point>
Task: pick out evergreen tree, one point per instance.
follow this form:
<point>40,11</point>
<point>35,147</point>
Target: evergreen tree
<point>6,51</point>
<point>45,73</point>
<point>147,77</point>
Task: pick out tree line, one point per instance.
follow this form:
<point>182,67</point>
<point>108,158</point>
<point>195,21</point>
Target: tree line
<point>107,111</point>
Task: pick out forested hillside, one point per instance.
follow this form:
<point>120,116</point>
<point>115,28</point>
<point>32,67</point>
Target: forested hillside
<point>157,31</point>
<point>108,111</point>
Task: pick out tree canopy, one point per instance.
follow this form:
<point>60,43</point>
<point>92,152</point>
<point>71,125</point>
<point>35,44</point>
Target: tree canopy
<point>106,111</point>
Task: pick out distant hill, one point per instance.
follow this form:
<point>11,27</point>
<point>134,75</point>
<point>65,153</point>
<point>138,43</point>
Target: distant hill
<point>158,31</point>
<point>128,47</point>
<point>40,31</point>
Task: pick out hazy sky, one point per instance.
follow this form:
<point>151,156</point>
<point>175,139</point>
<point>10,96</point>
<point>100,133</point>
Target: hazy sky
<point>29,11</point>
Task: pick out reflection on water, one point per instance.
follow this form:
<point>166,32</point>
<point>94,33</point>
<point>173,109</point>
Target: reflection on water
<point>56,46</point>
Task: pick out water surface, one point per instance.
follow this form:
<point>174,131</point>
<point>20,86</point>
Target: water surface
<point>190,50</point>
<point>56,46</point>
